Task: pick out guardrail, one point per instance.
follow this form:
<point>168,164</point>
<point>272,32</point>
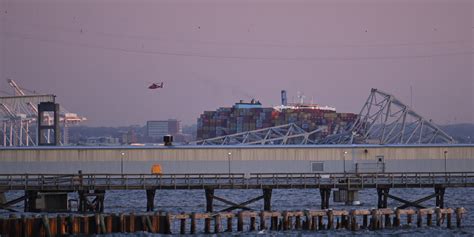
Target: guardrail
<point>80,181</point>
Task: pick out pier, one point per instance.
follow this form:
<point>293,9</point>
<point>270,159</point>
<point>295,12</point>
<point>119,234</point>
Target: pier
<point>93,187</point>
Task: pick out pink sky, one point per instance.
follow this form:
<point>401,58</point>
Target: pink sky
<point>99,56</point>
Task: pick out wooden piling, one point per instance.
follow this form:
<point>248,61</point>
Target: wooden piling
<point>73,225</point>
<point>438,216</point>
<point>365,220</point>
<point>46,226</point>
<point>193,223</point>
<point>109,223</point>
<point>131,223</point>
<point>97,224</point>
<point>459,212</point>
<point>12,227</point>
<point>374,220</point>
<point>298,222</point>
<point>284,220</point>
<point>182,227</point>
<point>290,222</point>
<point>147,222</point>
<point>388,221</point>
<point>155,219</point>
<point>262,221</point>
<point>419,219</point>
<point>429,217</point>
<point>168,223</point>
<point>275,224</point>
<point>229,223</point>
<point>330,220</point>
<point>240,221</point>
<point>353,217</point>
<point>409,219</point>
<point>24,226</point>
<point>320,223</point>
<point>217,223</point>
<point>309,220</point>
<point>59,226</point>
<point>396,222</point>
<point>123,229</point>
<point>344,221</point>
<point>3,226</point>
<point>253,223</point>
<point>448,221</point>
<point>85,225</point>
<point>207,225</point>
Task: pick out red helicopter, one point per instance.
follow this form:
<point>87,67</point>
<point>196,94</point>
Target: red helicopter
<point>155,86</point>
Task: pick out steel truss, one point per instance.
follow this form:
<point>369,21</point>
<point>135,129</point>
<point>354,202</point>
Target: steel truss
<point>279,135</point>
<point>386,120</point>
<point>382,120</point>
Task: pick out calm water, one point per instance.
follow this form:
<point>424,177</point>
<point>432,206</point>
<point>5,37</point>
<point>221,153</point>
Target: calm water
<point>194,201</point>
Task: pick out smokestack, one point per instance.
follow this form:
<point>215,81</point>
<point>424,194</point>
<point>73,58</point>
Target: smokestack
<point>284,101</point>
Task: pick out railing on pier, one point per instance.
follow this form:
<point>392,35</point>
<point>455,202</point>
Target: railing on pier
<point>52,182</point>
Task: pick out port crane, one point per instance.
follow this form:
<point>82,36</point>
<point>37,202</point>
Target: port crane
<point>20,111</point>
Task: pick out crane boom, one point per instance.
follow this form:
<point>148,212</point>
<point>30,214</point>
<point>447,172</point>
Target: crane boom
<point>19,91</point>
<point>7,110</point>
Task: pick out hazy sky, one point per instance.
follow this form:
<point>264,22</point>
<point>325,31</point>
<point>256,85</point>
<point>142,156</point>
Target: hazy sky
<point>99,56</point>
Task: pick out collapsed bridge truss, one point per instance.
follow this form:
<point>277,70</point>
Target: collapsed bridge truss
<point>382,120</point>
<point>386,120</point>
<point>279,135</point>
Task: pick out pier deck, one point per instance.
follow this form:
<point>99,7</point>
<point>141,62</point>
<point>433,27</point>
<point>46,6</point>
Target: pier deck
<point>91,188</point>
<point>76,182</point>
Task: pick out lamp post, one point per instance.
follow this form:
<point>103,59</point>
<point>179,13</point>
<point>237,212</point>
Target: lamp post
<point>228,160</point>
<point>445,161</point>
<point>121,162</point>
<point>344,162</point>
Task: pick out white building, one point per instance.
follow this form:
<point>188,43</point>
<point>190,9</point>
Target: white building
<point>158,129</point>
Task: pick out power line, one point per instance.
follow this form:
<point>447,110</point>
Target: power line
<point>82,31</point>
<point>197,55</point>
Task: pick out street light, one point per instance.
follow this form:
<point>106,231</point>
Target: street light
<point>121,162</point>
<point>445,161</point>
<point>228,159</point>
<point>344,162</point>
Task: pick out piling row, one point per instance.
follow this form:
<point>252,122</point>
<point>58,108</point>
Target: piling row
<point>165,223</point>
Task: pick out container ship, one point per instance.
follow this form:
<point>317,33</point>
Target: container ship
<point>248,116</point>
